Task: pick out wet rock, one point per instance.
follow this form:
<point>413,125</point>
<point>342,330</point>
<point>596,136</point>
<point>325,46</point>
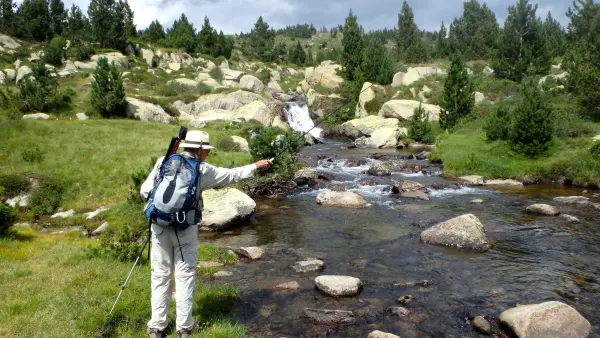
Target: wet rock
<point>465,231</point>
<point>341,199</point>
<point>442,186</point>
<point>422,283</point>
<point>504,183</point>
<point>356,162</point>
<point>221,274</point>
<point>411,190</point>
<point>303,176</point>
<point>570,219</point>
<point>422,155</point>
<point>309,266</point>
<point>405,299</point>
<point>253,253</point>
<point>291,286</point>
<point>472,180</point>
<point>481,324</point>
<point>101,229</point>
<point>379,169</point>
<point>202,264</point>
<point>477,201</point>
<point>338,286</point>
<point>379,334</point>
<point>64,214</point>
<point>542,209</point>
<point>550,319</point>
<point>572,200</point>
<point>399,311</point>
<point>330,317</point>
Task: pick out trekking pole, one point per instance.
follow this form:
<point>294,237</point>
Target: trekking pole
<point>129,276</point>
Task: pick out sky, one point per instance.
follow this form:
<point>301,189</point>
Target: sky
<point>234,16</point>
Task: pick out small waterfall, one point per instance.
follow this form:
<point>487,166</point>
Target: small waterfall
<point>298,117</point>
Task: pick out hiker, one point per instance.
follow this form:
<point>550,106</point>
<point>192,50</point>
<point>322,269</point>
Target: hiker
<point>169,245</point>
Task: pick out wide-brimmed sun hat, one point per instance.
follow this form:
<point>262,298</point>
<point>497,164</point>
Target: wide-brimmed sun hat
<point>196,139</point>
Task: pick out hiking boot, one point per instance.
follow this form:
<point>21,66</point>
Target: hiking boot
<point>183,333</point>
<point>155,333</point>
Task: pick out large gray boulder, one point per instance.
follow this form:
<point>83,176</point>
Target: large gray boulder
<point>324,75</point>
<point>224,208</point>
<point>147,112</point>
<point>345,199</point>
<point>8,42</point>
<point>465,231</point>
<point>366,126</point>
<point>380,334</point>
<point>367,94</point>
<point>338,286</point>
<point>90,65</point>
<point>232,75</point>
<point>549,319</point>
<point>322,104</point>
<point>119,59</point>
<point>404,109</point>
<point>386,137</point>
<point>23,72</point>
<point>472,180</point>
<point>252,84</point>
<point>241,142</point>
<point>231,101</point>
<point>149,56</point>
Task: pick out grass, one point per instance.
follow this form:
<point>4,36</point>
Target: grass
<point>466,151</point>
<point>96,157</point>
<point>53,288</point>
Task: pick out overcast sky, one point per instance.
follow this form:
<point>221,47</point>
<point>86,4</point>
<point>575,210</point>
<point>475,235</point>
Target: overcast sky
<point>234,16</point>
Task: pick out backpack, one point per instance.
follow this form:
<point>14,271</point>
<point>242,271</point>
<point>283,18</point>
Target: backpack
<point>174,198</point>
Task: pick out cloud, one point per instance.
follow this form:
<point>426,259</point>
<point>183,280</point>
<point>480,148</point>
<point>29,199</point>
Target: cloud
<point>234,16</point>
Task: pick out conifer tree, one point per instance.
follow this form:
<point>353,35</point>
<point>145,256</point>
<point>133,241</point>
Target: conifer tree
<point>376,64</point>
<point>7,16</point>
<point>408,36</point>
<point>352,47</point>
<point>34,21</point>
<point>419,128</point>
<point>59,16</point>
<point>78,25</point>
<point>207,38</point>
<point>108,92</point>
<point>475,33</point>
<point>441,45</point>
<point>182,34</point>
<point>532,128</point>
<point>128,23</point>
<point>261,40</point>
<point>108,20</point>
<point>297,55</point>
<point>555,36</point>
<point>224,45</point>
<point>155,32</point>
<point>458,99</point>
<point>521,45</point>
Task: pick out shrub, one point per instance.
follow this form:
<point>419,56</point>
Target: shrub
<point>264,75</point>
<point>137,178</point>
<point>595,150</point>
<point>8,217</point>
<point>216,74</point>
<point>108,92</point>
<point>120,246</point>
<point>569,124</point>
<point>374,106</point>
<point>48,196</point>
<point>8,108</point>
<point>176,89</point>
<point>33,154</point>
<point>227,144</point>
<point>81,52</point>
<point>498,125</point>
<point>419,128</point>
<point>532,126</point>
<point>271,142</point>
<point>54,52</point>
<point>14,185</point>
<point>36,90</point>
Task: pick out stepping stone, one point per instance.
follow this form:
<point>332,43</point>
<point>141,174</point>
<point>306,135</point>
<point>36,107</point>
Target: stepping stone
<point>253,253</point>
<point>338,286</point>
<point>309,266</point>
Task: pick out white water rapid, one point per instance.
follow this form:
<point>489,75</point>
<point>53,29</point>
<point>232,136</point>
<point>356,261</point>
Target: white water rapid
<point>298,117</point>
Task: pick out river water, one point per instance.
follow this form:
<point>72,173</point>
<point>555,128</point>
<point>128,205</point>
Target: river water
<point>532,258</point>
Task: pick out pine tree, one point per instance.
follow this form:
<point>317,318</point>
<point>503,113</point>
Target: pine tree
<point>475,33</point>
<point>59,16</point>
<point>155,32</point>
<point>419,128</point>
<point>261,41</point>
<point>555,36</point>
<point>224,45</point>
<point>352,48</point>
<point>108,92</point>
<point>532,128</point>
<point>182,35</point>
<point>118,31</point>
<point>408,37</point>
<point>7,16</point>
<point>376,64</point>
<point>100,13</point>
<point>297,55</point>
<point>280,52</point>
<point>310,61</point>
<point>78,26</point>
<point>207,38</point>
<point>385,75</point>
<point>34,21</point>
<point>441,45</point>
<point>521,44</point>
<point>128,23</point>
<point>458,99</point>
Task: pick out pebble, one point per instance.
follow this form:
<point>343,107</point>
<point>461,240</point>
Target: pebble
<point>288,286</point>
<point>219,274</point>
<point>480,324</point>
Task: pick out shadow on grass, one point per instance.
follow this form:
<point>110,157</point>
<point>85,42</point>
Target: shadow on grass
<point>15,235</point>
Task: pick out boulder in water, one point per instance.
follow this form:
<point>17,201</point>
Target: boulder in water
<point>572,200</point>
<point>224,208</point>
<point>465,231</point>
<point>330,317</point>
<point>312,265</point>
<point>542,209</point>
<point>411,190</point>
<point>481,324</point>
<point>472,180</point>
<point>549,319</point>
<point>338,286</point>
<point>289,286</point>
<point>505,183</point>
<point>341,199</point>
<point>253,252</point>
<point>570,219</point>
<point>385,168</point>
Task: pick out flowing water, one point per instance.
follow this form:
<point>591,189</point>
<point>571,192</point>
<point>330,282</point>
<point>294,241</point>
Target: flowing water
<point>298,117</point>
<point>533,259</point>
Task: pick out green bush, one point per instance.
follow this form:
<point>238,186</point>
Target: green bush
<point>8,108</point>
<point>121,246</point>
<point>269,142</point>
<point>177,89</point>
<point>216,74</point>
<point>595,150</point>
<point>419,128</point>
<point>54,51</point>
<point>48,196</point>
<point>14,185</point>
<point>227,144</point>
<point>478,67</point>
<point>36,90</point>
<point>381,97</point>
<point>8,217</point>
<point>458,100</point>
<point>137,179</point>
<point>33,154</point>
<point>568,124</point>
<point>108,92</point>
<point>81,52</point>
<point>497,125</point>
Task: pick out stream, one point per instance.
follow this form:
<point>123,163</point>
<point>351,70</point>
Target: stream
<point>533,259</point>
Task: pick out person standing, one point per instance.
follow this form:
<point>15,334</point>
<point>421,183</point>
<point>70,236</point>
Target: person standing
<point>177,251</point>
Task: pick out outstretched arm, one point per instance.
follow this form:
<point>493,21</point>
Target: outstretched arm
<point>217,177</point>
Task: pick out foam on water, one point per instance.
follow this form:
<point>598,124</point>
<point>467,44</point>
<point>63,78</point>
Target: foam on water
<point>339,167</point>
<point>460,191</point>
